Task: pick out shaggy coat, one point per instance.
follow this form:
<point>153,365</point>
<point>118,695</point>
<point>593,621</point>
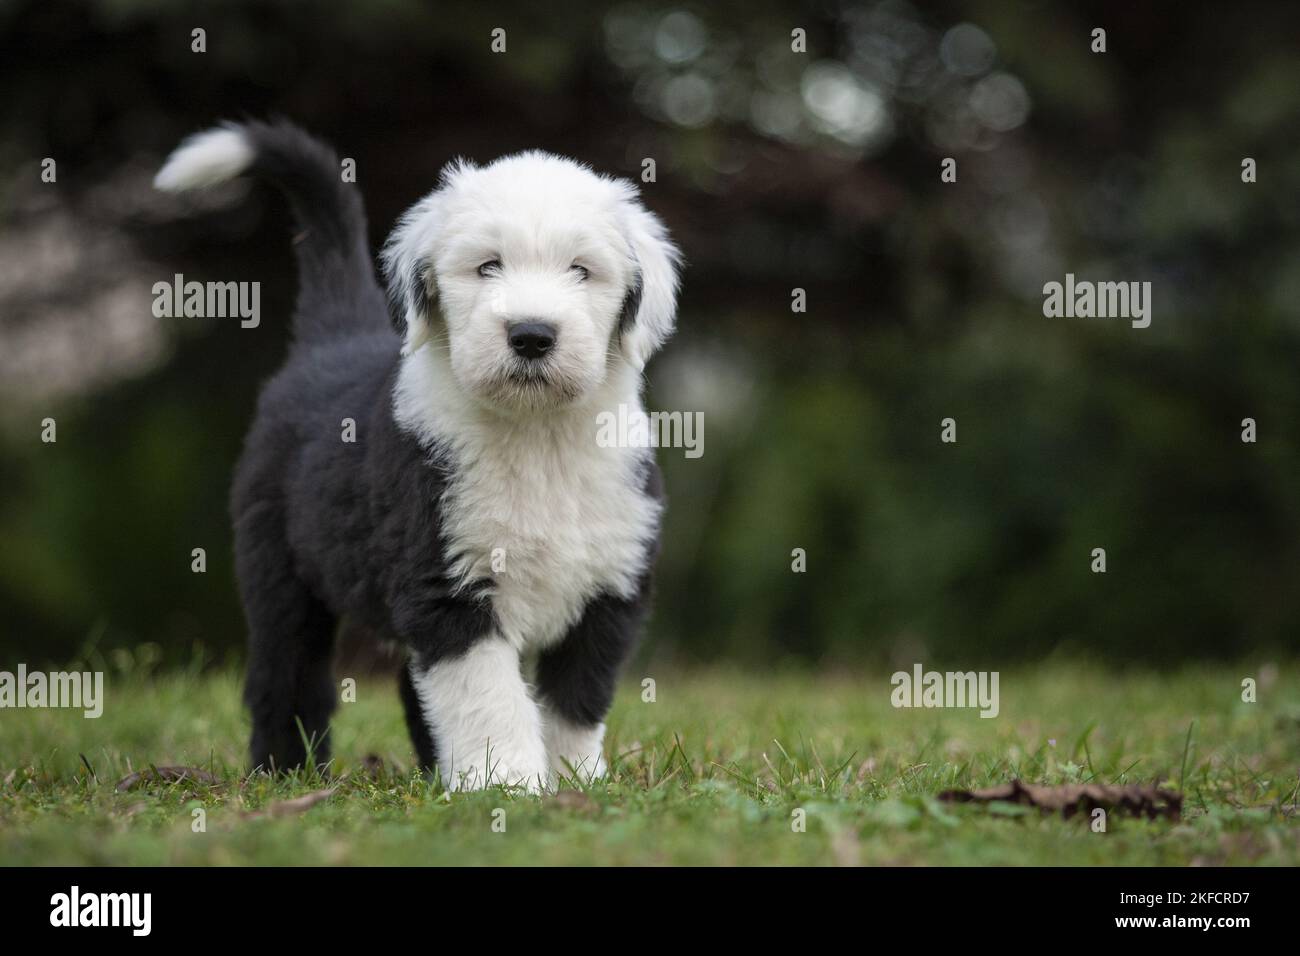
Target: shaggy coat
<point>442,485</point>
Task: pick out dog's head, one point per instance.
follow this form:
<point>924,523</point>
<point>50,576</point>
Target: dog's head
<point>534,274</point>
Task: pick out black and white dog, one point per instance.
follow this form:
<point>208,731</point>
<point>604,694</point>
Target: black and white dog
<point>474,518</point>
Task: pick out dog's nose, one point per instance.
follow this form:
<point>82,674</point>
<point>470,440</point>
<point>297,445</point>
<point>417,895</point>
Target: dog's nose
<point>531,340</point>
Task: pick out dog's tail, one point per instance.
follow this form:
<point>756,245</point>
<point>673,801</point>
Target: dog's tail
<point>337,293</point>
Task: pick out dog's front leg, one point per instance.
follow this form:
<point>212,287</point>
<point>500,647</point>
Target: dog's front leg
<point>487,728</point>
<point>576,681</point>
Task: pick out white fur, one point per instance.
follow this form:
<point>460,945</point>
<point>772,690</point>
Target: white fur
<point>488,728</point>
<point>534,504</point>
<point>205,159</point>
<point>574,751</point>
<point>563,517</point>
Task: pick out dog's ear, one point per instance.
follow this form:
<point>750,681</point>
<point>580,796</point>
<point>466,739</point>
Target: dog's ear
<point>408,273</point>
<point>650,303</point>
<point>408,270</point>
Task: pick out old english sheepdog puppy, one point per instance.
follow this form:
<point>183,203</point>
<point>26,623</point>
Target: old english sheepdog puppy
<point>473,517</point>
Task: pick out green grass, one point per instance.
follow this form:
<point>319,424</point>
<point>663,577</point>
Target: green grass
<point>708,774</point>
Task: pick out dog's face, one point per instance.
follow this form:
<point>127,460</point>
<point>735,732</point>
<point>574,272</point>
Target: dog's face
<point>534,274</point>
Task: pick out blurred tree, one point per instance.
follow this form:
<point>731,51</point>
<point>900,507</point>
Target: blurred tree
<point>775,170</point>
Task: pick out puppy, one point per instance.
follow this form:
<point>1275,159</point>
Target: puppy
<point>470,514</point>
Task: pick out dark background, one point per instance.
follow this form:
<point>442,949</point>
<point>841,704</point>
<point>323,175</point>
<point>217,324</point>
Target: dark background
<point>775,171</point>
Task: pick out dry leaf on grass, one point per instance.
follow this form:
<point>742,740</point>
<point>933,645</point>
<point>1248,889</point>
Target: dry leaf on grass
<point>1150,802</point>
<point>153,775</point>
<point>288,808</point>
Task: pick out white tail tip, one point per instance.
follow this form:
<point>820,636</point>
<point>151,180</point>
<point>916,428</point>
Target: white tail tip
<point>205,159</point>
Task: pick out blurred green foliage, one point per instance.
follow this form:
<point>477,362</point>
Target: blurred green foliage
<point>821,428</point>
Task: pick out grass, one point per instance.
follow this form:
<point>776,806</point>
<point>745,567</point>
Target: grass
<point>710,773</point>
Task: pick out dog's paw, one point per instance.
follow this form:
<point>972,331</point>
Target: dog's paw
<point>530,776</point>
<point>583,767</point>
<point>575,751</point>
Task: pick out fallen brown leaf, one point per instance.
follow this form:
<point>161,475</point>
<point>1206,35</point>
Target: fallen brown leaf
<point>153,775</point>
<point>1150,802</point>
<point>286,808</point>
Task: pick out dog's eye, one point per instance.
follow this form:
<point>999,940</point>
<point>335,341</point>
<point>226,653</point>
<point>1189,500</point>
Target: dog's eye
<point>490,268</point>
<point>583,273</point>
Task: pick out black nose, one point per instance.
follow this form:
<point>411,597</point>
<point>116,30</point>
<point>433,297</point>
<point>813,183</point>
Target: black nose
<point>531,340</point>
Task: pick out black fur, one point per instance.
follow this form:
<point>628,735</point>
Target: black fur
<point>326,528</point>
<point>426,751</point>
<point>577,677</point>
<point>631,304</point>
<point>407,291</point>
<point>337,292</point>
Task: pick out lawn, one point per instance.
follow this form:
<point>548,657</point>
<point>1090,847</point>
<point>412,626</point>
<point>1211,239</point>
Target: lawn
<point>711,772</point>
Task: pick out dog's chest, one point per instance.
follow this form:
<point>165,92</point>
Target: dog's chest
<point>550,523</point>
